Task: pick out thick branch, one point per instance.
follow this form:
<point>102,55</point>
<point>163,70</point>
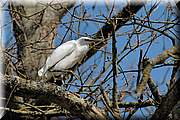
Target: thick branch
<point>114,65</point>
<point>53,93</point>
<point>149,65</point>
<point>171,99</point>
<point>136,104</point>
<point>154,90</point>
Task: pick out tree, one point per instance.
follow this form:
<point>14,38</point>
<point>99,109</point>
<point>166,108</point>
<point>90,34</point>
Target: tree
<point>98,87</point>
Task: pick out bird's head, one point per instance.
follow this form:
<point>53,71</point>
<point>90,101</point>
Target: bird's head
<point>86,41</point>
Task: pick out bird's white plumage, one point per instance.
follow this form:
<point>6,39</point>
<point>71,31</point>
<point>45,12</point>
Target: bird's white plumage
<point>66,56</point>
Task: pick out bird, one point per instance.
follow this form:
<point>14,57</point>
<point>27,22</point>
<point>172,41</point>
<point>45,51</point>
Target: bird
<point>66,56</point>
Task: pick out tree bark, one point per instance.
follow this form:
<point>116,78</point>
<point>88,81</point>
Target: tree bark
<point>35,27</point>
<point>71,102</point>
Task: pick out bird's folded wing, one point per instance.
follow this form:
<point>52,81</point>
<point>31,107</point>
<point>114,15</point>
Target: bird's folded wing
<point>60,53</point>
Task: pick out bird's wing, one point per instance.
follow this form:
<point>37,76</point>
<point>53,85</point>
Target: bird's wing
<point>60,53</point>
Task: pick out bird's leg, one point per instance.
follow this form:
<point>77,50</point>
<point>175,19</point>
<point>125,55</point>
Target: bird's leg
<point>54,78</point>
<point>62,79</point>
<point>60,82</point>
<point>80,61</point>
<point>72,72</point>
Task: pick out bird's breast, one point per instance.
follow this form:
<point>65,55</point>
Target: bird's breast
<point>82,50</point>
<point>72,59</point>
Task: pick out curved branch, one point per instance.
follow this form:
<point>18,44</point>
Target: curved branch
<point>55,94</point>
<point>155,61</point>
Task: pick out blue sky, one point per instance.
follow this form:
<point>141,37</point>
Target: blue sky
<point>89,27</point>
<point>160,75</point>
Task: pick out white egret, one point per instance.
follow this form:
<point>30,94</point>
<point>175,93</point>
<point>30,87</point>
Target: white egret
<point>66,56</point>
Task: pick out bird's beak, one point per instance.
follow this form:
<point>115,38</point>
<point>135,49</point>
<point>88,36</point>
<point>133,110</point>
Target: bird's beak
<point>94,40</point>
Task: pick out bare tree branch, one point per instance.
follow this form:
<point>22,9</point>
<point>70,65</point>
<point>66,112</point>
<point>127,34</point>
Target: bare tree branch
<point>120,19</point>
<point>54,93</point>
<point>172,52</point>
